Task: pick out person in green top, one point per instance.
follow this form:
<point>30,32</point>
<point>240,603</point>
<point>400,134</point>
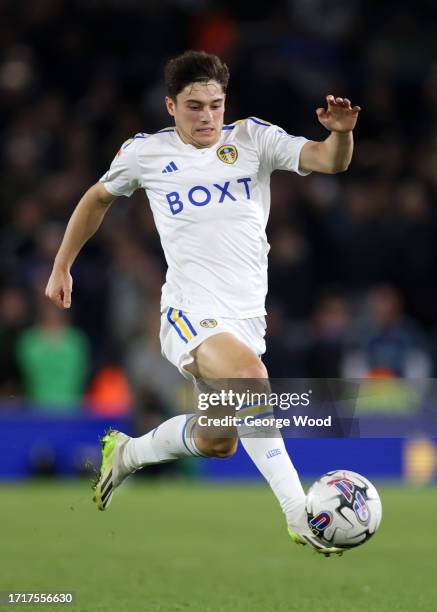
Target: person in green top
<point>53,357</point>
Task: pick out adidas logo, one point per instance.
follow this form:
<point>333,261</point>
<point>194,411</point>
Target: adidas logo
<point>170,168</point>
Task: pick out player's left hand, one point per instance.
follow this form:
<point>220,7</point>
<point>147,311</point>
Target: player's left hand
<point>340,116</point>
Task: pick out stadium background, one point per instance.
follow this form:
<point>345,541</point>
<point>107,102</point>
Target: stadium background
<point>352,263</point>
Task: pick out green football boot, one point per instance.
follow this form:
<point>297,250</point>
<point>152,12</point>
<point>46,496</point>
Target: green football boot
<point>112,470</point>
<point>313,542</point>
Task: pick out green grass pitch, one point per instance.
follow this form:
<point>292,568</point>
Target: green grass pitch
<point>175,547</point>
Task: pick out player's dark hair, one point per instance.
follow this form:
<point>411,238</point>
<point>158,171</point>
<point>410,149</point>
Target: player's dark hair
<point>194,67</point>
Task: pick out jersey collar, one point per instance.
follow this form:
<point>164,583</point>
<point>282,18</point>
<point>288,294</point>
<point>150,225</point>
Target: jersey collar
<point>197,150</point>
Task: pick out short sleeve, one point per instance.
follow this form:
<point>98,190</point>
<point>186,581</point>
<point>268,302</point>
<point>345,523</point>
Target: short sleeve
<point>277,149</point>
<point>123,176</point>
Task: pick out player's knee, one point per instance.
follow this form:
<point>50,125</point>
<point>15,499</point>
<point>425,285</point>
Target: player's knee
<point>253,369</point>
<point>221,447</point>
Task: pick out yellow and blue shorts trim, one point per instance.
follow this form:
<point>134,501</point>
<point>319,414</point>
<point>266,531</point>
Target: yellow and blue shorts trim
<point>180,322</point>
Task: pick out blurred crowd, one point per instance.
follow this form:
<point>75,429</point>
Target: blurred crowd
<point>352,289</point>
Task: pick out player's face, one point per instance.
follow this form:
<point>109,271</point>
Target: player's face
<point>198,112</point>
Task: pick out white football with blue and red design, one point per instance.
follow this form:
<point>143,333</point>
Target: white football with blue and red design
<point>343,509</point>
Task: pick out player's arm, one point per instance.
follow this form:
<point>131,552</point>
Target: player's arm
<point>335,153</point>
<point>83,223</point>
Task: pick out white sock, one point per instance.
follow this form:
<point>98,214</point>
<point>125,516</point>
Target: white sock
<point>271,458</point>
<point>170,440</point>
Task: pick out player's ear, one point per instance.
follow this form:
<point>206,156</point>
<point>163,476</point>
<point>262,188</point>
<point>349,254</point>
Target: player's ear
<point>170,104</point>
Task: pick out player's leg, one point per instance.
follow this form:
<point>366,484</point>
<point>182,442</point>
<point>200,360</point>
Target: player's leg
<point>179,436</point>
<point>123,455</point>
<point>218,356</point>
<point>223,357</point>
<point>173,439</point>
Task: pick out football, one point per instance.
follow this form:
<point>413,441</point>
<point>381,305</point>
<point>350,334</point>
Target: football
<point>343,509</point>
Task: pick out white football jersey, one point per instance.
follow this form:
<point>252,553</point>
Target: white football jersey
<point>210,208</point>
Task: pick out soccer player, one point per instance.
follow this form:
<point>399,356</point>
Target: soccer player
<point>208,185</point>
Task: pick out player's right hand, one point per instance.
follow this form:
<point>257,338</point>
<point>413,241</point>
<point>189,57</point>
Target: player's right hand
<point>59,287</point>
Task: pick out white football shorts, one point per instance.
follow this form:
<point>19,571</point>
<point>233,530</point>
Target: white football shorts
<point>181,332</point>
